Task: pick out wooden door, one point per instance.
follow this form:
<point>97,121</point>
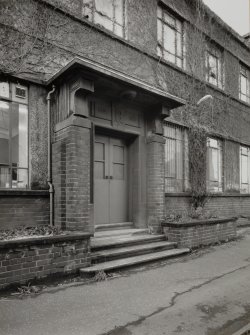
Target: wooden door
<point>110,192</point>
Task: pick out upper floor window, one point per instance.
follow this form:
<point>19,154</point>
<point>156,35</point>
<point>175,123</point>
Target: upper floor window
<point>170,35</point>
<point>244,92</point>
<point>176,159</point>
<point>13,135</point>
<point>214,67</point>
<point>214,165</point>
<point>245,169</point>
<point>108,13</point>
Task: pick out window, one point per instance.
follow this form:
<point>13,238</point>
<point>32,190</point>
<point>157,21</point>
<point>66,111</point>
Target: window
<point>244,92</point>
<point>214,165</point>
<point>170,35</point>
<point>13,136</point>
<point>176,159</point>
<point>244,170</point>
<point>214,68</point>
<point>108,13</point>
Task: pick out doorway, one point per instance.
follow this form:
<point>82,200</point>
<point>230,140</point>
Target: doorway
<point>110,180</point>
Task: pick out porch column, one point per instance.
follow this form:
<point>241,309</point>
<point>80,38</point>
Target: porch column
<point>155,182</point>
<point>72,174</point>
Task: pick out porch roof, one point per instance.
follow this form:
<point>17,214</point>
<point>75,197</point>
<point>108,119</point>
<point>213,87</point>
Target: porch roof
<point>92,67</point>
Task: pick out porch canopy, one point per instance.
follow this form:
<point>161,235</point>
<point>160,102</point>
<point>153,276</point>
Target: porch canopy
<point>115,83</point>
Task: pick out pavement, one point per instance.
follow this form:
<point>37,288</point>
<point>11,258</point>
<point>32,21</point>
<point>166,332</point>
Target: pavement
<point>205,293</point>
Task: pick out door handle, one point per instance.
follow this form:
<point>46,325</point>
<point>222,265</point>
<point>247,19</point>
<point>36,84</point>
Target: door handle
<point>111,177</point>
<point>106,177</point>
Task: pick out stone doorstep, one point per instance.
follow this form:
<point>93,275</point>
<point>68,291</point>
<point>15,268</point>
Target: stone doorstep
<point>130,261</point>
<point>123,240</point>
<point>108,254</point>
<point>118,232</point>
<point>112,226</point>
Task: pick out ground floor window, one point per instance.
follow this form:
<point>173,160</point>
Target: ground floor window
<point>214,165</point>
<point>176,159</point>
<point>244,170</point>
<point>13,136</point>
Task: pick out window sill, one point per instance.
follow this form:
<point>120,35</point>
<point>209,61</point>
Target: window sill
<point>9,192</point>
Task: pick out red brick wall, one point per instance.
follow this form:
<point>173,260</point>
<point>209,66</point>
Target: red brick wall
<point>23,210</point>
<point>20,262</point>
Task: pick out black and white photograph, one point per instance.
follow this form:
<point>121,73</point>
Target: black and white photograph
<point>124,167</point>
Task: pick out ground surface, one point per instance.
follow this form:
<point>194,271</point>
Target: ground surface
<point>203,293</point>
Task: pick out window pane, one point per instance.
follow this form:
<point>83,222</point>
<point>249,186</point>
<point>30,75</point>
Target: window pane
<point>118,6</point>
<point>4,177</point>
<point>118,30</point>
<point>244,170</point>
<point>4,133</point>
<point>159,30</point>
<point>179,44</point>
<point>105,7</point>
<point>169,39</point>
<point>19,178</point>
<point>170,154</point>
<point>243,85</point>
<point>169,57</point>
<point>19,135</point>
<point>4,89</point>
<point>103,21</point>
<point>169,19</point>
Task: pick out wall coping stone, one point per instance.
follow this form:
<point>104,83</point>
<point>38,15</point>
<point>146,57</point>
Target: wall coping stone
<point>195,223</point>
<point>42,193</point>
<point>43,240</point>
<point>213,195</point>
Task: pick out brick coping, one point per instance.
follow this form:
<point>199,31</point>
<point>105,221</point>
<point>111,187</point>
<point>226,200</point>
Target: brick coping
<point>195,223</point>
<point>43,240</point>
<point>14,192</point>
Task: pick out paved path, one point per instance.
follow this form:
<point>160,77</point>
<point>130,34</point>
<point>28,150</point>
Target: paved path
<point>204,294</point>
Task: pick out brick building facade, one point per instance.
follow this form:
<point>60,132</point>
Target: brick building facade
<point>128,76</point>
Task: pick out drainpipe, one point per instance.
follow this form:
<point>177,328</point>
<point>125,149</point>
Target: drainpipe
<point>51,188</point>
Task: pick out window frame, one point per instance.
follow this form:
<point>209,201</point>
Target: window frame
<point>89,11</point>
<point>244,72</point>
<point>184,158</point>
<point>217,54</point>
<point>161,23</point>
<point>220,161</point>
<point>12,102</point>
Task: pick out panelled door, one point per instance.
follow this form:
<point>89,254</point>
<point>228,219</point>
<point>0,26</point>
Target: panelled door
<point>110,184</point>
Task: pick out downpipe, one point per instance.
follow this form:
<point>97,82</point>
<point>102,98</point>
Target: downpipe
<point>51,188</point>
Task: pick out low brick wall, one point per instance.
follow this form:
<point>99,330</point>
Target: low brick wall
<point>198,233</point>
<point>34,258</point>
<point>225,205</point>
<point>23,208</point>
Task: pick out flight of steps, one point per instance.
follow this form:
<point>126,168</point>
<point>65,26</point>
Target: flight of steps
<point>117,246</point>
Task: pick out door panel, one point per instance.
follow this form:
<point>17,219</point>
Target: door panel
<point>118,181</point>
<point>110,180</point>
<point>101,185</point>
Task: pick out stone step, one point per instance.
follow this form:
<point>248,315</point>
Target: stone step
<point>112,226</point>
<point>119,232</point>
<point>134,250</point>
<point>131,261</point>
<point>123,241</point>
